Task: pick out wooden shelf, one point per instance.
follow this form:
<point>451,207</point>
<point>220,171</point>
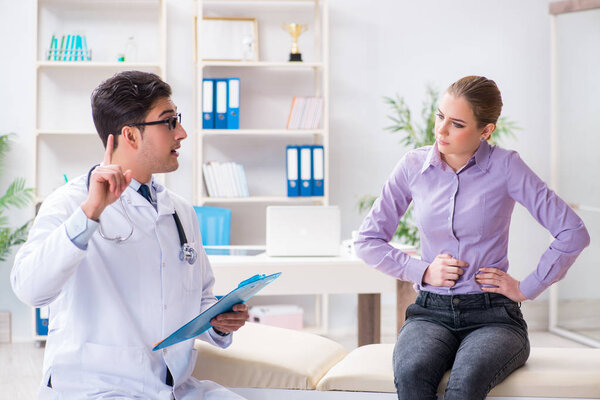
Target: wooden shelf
<point>261,199</point>
<point>261,132</point>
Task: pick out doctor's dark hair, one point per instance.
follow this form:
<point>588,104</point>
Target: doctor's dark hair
<point>482,94</point>
<point>125,98</point>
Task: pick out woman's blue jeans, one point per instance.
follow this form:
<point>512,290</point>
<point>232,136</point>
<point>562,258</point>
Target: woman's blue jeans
<point>481,338</point>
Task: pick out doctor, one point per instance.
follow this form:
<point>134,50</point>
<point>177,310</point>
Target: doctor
<point>119,260</point>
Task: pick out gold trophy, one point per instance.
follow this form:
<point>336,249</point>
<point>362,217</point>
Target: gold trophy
<point>295,30</point>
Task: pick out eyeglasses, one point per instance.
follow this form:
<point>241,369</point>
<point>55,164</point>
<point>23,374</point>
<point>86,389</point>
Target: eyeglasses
<point>171,122</point>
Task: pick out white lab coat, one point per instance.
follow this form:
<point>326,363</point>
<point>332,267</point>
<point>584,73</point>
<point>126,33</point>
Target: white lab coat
<point>109,304</point>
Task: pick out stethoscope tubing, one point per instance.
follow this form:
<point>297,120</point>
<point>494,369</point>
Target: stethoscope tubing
<point>186,252</point>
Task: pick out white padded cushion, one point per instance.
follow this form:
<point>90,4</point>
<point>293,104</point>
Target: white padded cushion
<point>555,372</point>
<point>264,356</point>
<point>549,372</point>
<point>366,369</point>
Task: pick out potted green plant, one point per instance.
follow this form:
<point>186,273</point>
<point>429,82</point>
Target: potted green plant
<point>414,135</point>
<point>18,196</point>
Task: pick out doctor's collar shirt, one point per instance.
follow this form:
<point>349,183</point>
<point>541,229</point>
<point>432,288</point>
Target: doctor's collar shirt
<point>467,214</point>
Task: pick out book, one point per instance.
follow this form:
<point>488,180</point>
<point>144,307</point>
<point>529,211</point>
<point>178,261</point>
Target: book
<point>225,179</point>
<point>305,113</point>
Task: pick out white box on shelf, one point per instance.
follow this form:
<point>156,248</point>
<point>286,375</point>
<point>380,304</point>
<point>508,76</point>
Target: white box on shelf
<point>281,315</point>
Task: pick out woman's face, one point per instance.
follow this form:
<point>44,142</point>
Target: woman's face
<point>456,129</point>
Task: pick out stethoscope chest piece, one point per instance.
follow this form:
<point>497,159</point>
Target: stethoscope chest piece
<point>188,253</point>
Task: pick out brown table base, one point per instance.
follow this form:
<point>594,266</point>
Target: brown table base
<point>369,312</point>
<point>369,318</point>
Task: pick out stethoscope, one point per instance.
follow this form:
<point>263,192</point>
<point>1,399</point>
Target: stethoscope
<point>187,252</point>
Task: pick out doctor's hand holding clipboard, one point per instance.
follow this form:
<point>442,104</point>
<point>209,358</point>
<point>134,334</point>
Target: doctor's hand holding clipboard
<point>106,184</point>
<point>231,321</point>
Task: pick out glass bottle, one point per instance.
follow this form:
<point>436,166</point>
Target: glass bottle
<point>130,50</point>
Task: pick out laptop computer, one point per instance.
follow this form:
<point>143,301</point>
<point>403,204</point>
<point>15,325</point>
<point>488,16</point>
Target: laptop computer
<point>303,231</point>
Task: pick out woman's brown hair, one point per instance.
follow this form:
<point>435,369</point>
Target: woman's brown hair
<point>482,94</point>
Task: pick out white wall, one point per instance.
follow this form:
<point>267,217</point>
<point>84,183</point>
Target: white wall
<point>377,49</point>
<point>578,85</point>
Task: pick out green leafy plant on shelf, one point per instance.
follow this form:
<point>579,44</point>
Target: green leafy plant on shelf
<point>16,195</point>
<point>414,135</point>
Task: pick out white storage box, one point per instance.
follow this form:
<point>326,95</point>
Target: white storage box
<point>282,315</point>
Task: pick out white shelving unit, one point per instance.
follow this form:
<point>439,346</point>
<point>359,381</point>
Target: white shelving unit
<point>65,139</point>
<point>62,109</point>
<point>267,89</point>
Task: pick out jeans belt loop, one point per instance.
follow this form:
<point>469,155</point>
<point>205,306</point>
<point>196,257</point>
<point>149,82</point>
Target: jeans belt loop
<point>488,301</point>
<point>422,299</point>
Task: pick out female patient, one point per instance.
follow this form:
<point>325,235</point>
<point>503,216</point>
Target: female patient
<point>467,314</point>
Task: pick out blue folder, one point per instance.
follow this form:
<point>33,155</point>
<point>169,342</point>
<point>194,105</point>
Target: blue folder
<point>292,159</point>
<point>220,107</point>
<point>208,96</point>
<point>41,324</point>
<point>245,290</point>
<point>233,103</point>
<point>306,171</point>
<point>318,161</point>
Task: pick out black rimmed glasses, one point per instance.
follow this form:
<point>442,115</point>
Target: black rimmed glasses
<point>171,122</point>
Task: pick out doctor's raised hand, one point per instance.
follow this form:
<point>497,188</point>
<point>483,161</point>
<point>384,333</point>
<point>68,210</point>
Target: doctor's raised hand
<point>107,183</point>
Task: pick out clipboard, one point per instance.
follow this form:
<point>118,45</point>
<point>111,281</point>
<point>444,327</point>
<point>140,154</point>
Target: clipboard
<point>245,290</point>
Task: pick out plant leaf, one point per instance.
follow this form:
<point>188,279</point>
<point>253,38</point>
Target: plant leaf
<point>9,238</point>
<point>366,202</point>
<point>16,195</point>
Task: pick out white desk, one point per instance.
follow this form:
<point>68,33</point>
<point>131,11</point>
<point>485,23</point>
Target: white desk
<point>313,275</point>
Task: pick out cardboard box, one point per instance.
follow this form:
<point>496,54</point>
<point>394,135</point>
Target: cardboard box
<point>282,315</point>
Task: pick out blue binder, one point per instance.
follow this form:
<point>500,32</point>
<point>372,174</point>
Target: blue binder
<point>208,112</point>
<point>318,164</point>
<point>245,290</point>
<point>306,171</point>
<point>215,225</point>
<point>41,324</point>
<point>233,103</point>
<point>220,106</point>
<point>292,160</point>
